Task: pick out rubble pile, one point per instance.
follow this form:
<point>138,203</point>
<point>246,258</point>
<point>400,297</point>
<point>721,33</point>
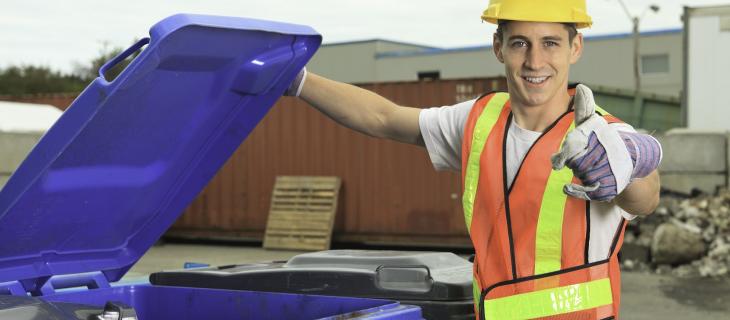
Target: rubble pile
<point>686,237</point>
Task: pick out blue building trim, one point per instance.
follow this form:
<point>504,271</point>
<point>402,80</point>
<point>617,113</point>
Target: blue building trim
<point>434,51</point>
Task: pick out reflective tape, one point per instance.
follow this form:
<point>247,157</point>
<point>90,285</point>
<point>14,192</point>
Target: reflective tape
<point>601,111</point>
<point>482,129</point>
<point>551,302</point>
<point>549,233</point>
<point>476,291</point>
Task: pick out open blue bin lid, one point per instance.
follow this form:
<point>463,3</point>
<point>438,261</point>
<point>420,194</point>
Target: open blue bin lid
<point>128,156</point>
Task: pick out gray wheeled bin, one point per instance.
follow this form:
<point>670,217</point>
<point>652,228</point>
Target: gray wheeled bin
<point>439,282</point>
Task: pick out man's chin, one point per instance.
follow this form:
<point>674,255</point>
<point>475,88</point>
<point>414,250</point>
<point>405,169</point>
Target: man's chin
<point>533,98</point>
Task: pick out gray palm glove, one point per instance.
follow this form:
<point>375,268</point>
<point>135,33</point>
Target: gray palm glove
<point>295,88</point>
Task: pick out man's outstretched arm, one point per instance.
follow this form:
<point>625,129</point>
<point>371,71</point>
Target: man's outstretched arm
<point>641,196</point>
<point>362,110</point>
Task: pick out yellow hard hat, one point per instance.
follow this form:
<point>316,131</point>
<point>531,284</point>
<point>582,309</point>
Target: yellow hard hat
<point>567,11</point>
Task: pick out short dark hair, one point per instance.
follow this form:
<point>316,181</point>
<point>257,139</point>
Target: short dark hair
<point>502,25</point>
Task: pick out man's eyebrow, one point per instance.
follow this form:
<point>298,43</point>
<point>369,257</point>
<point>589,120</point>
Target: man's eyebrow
<point>518,37</point>
<point>552,38</point>
<point>545,38</point>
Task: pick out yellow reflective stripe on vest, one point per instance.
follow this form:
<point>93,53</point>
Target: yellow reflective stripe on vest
<point>601,111</point>
<point>483,127</point>
<point>476,291</point>
<point>551,302</point>
<point>549,234</point>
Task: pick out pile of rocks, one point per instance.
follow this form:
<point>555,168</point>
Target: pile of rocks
<point>685,236</point>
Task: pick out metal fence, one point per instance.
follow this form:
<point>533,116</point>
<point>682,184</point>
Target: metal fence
<point>651,112</point>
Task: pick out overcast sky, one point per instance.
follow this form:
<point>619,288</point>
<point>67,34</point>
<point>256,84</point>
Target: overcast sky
<point>59,33</point>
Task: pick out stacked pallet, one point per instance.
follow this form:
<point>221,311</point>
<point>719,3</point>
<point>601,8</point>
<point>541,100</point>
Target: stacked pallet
<point>302,213</point>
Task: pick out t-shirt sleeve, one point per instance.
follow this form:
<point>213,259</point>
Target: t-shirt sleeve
<point>442,129</point>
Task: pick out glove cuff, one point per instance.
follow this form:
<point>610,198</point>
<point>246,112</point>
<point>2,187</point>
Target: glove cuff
<point>295,88</point>
<point>645,151</point>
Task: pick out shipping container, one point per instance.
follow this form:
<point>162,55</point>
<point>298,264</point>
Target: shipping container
<point>390,191</point>
<point>390,194</point>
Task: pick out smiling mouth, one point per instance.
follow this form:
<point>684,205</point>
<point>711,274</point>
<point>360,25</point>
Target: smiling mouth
<point>535,80</point>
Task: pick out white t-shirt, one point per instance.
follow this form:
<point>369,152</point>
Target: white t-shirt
<point>443,132</point>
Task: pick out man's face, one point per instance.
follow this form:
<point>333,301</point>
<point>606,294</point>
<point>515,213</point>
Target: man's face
<point>537,58</point>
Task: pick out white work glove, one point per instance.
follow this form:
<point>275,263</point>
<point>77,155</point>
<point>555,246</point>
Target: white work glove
<point>595,152</point>
<point>295,88</point>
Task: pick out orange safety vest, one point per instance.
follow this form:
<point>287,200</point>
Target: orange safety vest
<point>531,240</point>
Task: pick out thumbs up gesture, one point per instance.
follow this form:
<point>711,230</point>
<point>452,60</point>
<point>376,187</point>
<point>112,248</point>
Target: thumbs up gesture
<point>595,152</point>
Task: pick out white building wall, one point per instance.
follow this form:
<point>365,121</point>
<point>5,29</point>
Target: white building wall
<point>475,63</point>
<point>609,62</point>
<point>354,62</point>
<point>708,107</point>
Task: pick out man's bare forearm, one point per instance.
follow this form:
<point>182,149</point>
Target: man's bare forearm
<point>641,197</point>
<point>361,110</point>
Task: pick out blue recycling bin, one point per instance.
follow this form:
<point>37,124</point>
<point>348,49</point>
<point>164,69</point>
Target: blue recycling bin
<point>127,157</point>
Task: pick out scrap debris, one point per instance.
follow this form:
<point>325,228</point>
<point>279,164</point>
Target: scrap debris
<point>686,237</point>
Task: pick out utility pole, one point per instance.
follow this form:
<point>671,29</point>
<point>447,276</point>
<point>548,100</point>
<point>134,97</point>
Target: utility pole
<point>638,101</point>
<point>635,20</point>
<point>637,72</point>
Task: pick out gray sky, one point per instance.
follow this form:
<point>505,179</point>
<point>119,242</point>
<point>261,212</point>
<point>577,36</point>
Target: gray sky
<point>59,33</point>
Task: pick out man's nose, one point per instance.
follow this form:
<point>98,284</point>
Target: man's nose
<point>535,58</point>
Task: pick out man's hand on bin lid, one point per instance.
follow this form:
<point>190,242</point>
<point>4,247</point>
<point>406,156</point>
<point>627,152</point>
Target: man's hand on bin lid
<point>295,88</point>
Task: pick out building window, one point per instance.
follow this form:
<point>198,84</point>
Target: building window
<point>429,75</point>
<point>724,24</point>
<point>654,64</point>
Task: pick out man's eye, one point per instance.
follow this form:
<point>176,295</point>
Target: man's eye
<point>519,44</point>
<point>551,44</point>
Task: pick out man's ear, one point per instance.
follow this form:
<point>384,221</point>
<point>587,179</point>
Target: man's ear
<point>576,48</point>
<point>497,47</point>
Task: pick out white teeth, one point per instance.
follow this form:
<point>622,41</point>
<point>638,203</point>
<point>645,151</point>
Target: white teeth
<point>535,80</point>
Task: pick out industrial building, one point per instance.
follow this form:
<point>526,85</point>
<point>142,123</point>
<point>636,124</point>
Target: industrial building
<point>606,62</point>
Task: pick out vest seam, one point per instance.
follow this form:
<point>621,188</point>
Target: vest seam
<point>506,197</point>
<point>588,231</point>
<point>545,275</point>
<point>486,291</point>
<point>616,236</point>
<point>550,127</point>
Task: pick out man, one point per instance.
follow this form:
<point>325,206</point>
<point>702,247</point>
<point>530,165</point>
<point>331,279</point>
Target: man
<point>549,178</point>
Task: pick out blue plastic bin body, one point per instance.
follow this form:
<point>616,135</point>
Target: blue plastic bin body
<point>179,303</point>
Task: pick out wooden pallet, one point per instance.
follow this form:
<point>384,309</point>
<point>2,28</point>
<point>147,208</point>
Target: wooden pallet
<point>302,213</point>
